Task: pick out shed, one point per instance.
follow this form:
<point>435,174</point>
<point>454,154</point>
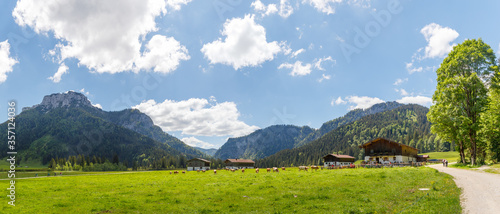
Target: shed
<point>386,151</point>
<point>239,164</point>
<point>337,160</point>
<point>198,164</point>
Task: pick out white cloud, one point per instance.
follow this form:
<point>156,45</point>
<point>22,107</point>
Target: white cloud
<point>325,6</point>
<point>297,68</point>
<point>97,105</point>
<point>6,62</point>
<point>402,91</point>
<point>60,71</point>
<point>285,9</point>
<point>263,9</point>
<point>426,101</point>
<point>363,102</point>
<point>338,101</point>
<point>324,77</point>
<point>244,44</point>
<point>84,92</point>
<point>176,4</point>
<point>400,81</point>
<point>163,54</point>
<point>318,62</point>
<point>411,69</point>
<point>197,117</point>
<point>439,39</point>
<point>192,141</point>
<point>105,36</point>
<point>297,52</point>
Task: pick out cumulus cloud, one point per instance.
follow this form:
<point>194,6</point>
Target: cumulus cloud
<point>325,6</point>
<point>400,81</point>
<point>297,68</point>
<point>258,6</point>
<point>197,117</point>
<point>6,62</point>
<point>60,71</point>
<point>439,40</point>
<point>244,44</point>
<point>104,36</point>
<point>297,52</point>
<point>163,54</point>
<point>402,91</point>
<point>357,102</point>
<point>285,9</point>
<point>192,141</point>
<point>338,101</point>
<point>421,100</point>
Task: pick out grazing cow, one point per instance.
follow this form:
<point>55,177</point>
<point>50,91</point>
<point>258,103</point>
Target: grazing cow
<point>268,169</point>
<point>283,168</point>
<point>176,172</point>
<point>203,171</point>
<point>257,170</point>
<point>314,167</point>
<point>303,168</point>
<point>215,171</point>
<point>198,170</point>
<point>242,170</point>
<point>275,169</point>
<point>170,172</point>
<point>232,170</point>
<point>183,172</point>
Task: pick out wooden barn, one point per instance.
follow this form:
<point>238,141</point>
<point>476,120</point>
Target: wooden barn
<point>198,164</point>
<point>239,164</point>
<point>332,160</point>
<point>384,151</point>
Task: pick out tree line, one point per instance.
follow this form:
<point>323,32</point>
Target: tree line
<point>466,107</point>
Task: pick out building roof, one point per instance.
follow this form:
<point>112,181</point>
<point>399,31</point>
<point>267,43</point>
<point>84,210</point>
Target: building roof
<point>239,161</point>
<point>200,159</point>
<point>390,141</point>
<point>340,156</point>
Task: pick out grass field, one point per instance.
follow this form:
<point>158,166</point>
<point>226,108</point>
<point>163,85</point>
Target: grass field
<point>450,156</point>
<point>495,168</point>
<point>389,190</point>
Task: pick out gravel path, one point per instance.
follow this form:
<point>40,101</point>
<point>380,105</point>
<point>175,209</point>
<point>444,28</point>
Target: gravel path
<point>480,190</point>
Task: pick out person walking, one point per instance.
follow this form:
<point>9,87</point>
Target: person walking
<point>443,162</point>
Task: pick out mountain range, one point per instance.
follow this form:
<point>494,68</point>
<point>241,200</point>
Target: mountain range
<point>265,142</point>
<point>67,124</point>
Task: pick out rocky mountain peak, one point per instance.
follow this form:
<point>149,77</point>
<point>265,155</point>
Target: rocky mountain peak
<point>63,100</point>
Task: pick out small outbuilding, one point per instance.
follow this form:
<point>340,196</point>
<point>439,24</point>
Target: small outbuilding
<point>198,164</point>
<point>239,164</point>
<point>332,160</point>
<point>422,158</point>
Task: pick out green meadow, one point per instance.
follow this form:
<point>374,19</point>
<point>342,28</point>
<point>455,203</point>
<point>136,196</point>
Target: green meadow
<point>386,190</point>
<point>450,156</point>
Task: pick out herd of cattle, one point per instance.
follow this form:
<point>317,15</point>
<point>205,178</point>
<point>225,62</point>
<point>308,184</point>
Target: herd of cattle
<point>274,169</point>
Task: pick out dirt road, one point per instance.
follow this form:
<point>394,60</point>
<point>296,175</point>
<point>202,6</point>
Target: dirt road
<point>480,190</point>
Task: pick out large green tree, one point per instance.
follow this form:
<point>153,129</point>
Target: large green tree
<point>461,95</point>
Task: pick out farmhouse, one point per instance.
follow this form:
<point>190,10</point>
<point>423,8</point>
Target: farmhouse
<point>198,164</point>
<point>385,151</point>
<point>337,160</point>
<point>239,164</point>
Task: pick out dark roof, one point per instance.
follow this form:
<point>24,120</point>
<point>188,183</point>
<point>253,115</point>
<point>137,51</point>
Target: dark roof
<point>239,161</point>
<point>200,159</point>
<point>339,156</point>
<point>390,141</point>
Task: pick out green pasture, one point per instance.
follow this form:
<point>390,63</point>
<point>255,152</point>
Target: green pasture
<point>389,190</point>
<point>450,156</point>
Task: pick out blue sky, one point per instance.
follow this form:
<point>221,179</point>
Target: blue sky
<point>209,70</point>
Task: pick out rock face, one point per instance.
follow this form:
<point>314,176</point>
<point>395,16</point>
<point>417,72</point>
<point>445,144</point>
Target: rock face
<point>263,142</point>
<point>63,100</point>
